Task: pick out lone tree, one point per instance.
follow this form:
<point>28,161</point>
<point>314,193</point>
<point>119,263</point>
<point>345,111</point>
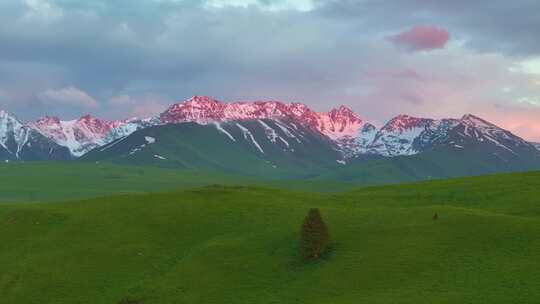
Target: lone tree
<point>313,236</point>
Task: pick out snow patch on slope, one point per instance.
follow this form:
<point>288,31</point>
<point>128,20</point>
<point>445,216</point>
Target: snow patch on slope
<point>247,134</point>
<point>286,131</point>
<point>270,133</point>
<point>149,139</point>
<point>220,129</point>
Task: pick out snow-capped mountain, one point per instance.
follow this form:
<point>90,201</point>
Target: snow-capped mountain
<point>286,143</point>
<point>13,134</point>
<point>472,131</point>
<point>343,129</point>
<point>398,135</point>
<point>20,142</point>
<point>475,127</point>
<point>354,145</point>
<point>80,135</point>
<point>336,124</point>
<point>401,136</point>
<point>247,146</point>
<point>405,135</point>
<point>124,128</point>
<point>86,133</point>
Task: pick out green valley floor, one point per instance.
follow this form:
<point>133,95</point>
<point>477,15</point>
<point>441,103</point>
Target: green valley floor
<point>120,239</point>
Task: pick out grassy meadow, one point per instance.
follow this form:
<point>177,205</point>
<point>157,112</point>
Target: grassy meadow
<point>185,242</point>
<point>60,181</point>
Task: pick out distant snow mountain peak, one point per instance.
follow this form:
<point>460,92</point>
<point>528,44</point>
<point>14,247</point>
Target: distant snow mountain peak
<point>335,124</point>
<point>21,142</point>
<point>403,122</point>
<point>340,127</point>
<point>13,134</point>
<point>84,133</point>
<point>78,135</point>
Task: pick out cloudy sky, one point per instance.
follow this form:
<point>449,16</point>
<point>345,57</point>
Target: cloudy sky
<point>432,58</point>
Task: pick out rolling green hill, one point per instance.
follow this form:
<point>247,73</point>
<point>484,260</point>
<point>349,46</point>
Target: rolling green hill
<point>441,162</point>
<point>53,181</point>
<point>238,245</point>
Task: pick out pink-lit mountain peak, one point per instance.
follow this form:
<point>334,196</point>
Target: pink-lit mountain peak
<point>93,127</point>
<point>85,119</point>
<point>79,135</point>
<point>472,120</point>
<point>201,102</point>
<point>88,118</point>
<point>344,113</point>
<point>405,122</point>
<point>198,109</point>
<point>402,135</point>
<point>343,109</point>
<point>48,120</point>
<point>202,109</point>
<point>94,124</point>
<point>341,122</point>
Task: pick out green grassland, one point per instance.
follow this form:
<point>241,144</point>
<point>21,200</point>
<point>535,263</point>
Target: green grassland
<point>238,244</point>
<point>53,181</point>
<point>441,162</point>
<point>48,181</point>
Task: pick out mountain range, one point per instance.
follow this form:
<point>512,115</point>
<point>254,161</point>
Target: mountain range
<point>258,137</point>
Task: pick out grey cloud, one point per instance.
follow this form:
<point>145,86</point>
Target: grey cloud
<point>70,96</point>
<point>498,26</point>
<point>179,49</point>
<point>143,55</point>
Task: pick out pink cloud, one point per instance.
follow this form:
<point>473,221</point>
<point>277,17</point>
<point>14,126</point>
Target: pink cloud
<point>520,120</point>
<point>422,38</point>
